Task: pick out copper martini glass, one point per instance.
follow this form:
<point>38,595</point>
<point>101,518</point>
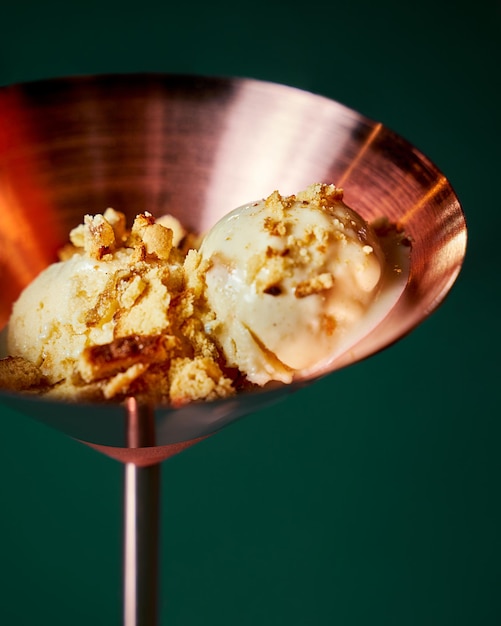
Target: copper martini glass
<point>197,147</point>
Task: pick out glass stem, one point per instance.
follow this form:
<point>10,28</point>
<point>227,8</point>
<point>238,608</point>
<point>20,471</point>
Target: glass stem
<point>141,524</point>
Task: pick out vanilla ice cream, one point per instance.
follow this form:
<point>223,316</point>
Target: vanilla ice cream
<point>119,314</point>
<point>277,289</point>
<point>288,279</point>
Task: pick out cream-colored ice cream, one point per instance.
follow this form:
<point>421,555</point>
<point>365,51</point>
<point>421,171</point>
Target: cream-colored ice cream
<point>121,313</point>
<point>278,288</point>
<point>289,279</point>
<point>73,304</point>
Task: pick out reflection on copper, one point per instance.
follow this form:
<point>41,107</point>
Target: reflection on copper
<point>197,147</point>
<point>355,162</point>
<point>427,197</point>
<point>26,227</point>
<point>282,137</point>
<point>140,424</point>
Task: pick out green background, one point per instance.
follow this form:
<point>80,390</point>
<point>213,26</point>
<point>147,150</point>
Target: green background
<point>371,497</point>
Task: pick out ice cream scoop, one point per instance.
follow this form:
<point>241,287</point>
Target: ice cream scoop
<point>119,316</point>
<point>288,279</point>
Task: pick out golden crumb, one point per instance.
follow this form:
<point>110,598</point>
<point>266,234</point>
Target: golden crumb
<point>18,374</point>
<point>320,194</point>
<point>179,232</point>
<point>157,241</point>
<point>102,361</point>
<point>278,204</point>
<point>121,383</point>
<point>276,228</point>
<point>117,221</point>
<point>198,379</point>
<point>194,271</point>
<point>99,236</point>
<point>317,284</point>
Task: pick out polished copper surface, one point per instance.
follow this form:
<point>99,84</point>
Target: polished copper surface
<point>198,147</point>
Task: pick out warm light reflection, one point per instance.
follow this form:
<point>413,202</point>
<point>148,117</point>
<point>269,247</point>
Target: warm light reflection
<point>284,146</point>
<point>355,161</point>
<point>27,240</point>
<point>21,248</point>
<point>73,145</point>
<point>426,198</point>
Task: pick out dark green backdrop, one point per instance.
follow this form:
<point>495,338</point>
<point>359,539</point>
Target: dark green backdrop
<point>319,511</point>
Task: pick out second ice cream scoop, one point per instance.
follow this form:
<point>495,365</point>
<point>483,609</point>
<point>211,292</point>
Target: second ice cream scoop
<point>288,278</point>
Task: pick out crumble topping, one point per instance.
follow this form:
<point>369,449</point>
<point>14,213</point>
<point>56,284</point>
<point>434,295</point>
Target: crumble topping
<point>142,312</point>
<point>150,308</point>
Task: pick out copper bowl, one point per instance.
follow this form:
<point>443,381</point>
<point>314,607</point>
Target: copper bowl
<point>197,147</point>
